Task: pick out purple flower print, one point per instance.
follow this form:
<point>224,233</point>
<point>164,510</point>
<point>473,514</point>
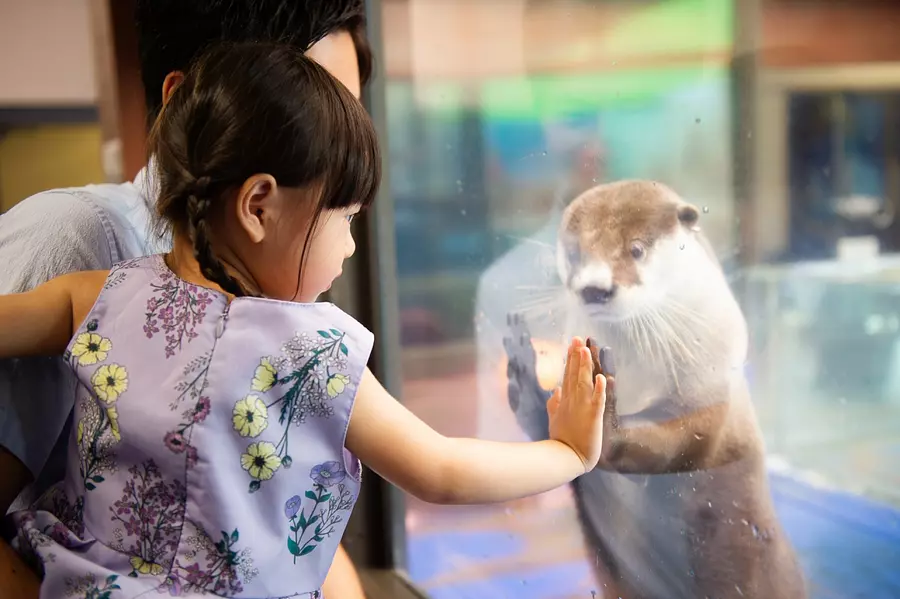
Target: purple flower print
<point>292,506</point>
<point>175,310</point>
<point>327,474</point>
<point>310,528</point>
<point>175,442</point>
<point>191,456</point>
<point>151,510</point>
<point>201,410</point>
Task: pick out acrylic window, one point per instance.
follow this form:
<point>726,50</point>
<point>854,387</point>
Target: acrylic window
<point>777,120</point>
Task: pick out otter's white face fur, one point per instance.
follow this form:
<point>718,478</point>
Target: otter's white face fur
<point>633,249</point>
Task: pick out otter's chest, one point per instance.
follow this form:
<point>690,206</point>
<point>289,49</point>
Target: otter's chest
<point>640,380</point>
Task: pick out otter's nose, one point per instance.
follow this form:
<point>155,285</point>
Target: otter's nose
<point>598,295</point>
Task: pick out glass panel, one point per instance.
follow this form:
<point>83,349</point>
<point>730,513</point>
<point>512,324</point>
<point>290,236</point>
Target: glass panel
<point>747,467</point>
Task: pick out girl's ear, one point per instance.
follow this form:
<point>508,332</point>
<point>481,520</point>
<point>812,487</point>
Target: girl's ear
<point>255,205</point>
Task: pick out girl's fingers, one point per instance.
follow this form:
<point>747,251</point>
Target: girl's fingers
<point>571,370</point>
<point>585,372</point>
<point>599,396</point>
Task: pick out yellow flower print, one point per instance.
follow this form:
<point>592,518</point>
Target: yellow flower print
<point>80,431</point>
<point>260,460</point>
<point>250,416</point>
<point>113,415</point>
<point>141,566</point>
<point>336,384</point>
<point>264,377</point>
<point>90,348</point>
<point>110,382</point>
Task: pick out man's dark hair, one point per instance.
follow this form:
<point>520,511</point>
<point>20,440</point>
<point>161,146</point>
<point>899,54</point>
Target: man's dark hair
<point>172,33</point>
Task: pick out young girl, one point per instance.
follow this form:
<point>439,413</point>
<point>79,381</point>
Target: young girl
<point>213,449</point>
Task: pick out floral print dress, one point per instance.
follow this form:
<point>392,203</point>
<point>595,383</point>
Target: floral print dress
<point>208,452</point>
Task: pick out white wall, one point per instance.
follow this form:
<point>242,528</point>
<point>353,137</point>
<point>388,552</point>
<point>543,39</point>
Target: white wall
<point>46,54</point>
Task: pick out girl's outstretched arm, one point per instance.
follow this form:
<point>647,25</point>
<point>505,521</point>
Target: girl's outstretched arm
<point>404,450</point>
<point>41,322</point>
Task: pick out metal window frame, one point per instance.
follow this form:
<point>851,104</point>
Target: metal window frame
<point>770,152</point>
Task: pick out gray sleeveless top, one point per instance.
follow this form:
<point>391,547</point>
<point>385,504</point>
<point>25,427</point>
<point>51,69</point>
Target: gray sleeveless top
<point>207,455</point>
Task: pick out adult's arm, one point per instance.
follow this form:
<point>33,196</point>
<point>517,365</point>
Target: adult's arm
<point>44,236</point>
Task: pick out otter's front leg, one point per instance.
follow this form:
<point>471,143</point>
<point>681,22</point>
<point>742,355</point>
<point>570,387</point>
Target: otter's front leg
<point>527,399</point>
<point>700,439</point>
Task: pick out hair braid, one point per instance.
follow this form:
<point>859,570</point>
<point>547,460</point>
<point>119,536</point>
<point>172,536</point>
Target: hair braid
<point>198,203</point>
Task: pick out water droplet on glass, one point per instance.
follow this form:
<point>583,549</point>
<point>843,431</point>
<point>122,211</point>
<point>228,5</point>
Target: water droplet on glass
<point>463,211</point>
<point>698,436</point>
<point>681,247</point>
<point>706,210</point>
<point>738,589</point>
<point>544,153</point>
<point>709,503</point>
<point>697,120</point>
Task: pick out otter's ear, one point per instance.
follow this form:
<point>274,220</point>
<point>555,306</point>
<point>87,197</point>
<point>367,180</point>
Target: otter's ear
<point>688,215</point>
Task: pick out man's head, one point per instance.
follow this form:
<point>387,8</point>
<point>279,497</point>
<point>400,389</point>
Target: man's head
<point>172,33</point>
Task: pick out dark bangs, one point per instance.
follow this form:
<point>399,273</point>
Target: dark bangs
<point>350,148</point>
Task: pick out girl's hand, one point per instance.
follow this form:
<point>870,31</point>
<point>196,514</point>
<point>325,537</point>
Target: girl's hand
<point>576,409</point>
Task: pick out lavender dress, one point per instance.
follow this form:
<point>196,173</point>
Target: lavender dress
<point>207,455</point>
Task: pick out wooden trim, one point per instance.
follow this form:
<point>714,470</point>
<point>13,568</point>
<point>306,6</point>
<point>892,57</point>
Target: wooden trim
<point>388,584</point>
<point>27,116</point>
<point>120,90</point>
<point>865,76</point>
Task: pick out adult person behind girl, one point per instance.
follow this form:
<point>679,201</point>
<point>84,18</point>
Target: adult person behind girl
<point>214,449</point>
<point>87,228</point>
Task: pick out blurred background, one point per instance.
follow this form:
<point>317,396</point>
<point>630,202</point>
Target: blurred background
<point>781,118</point>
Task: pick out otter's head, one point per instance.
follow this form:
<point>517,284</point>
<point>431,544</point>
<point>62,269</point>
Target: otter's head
<point>631,247</point>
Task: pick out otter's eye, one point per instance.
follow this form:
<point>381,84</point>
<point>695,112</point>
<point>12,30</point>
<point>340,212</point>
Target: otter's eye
<point>638,250</point>
<point>573,254</point>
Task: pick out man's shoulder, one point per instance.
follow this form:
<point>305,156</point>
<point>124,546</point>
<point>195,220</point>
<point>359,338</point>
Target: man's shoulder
<point>86,201</point>
<point>76,228</point>
<point>84,206</point>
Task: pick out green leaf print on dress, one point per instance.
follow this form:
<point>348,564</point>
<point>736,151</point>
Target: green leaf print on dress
<point>331,501</point>
<point>87,587</point>
<point>310,373</point>
<point>97,431</point>
<point>209,566</point>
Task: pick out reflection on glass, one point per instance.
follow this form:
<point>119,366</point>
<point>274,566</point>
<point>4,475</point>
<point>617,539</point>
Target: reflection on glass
<point>744,466</point>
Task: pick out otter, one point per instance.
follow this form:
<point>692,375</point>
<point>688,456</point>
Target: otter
<point>679,507</point>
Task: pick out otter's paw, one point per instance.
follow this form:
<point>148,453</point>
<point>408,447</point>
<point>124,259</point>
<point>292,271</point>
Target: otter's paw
<point>527,399</point>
